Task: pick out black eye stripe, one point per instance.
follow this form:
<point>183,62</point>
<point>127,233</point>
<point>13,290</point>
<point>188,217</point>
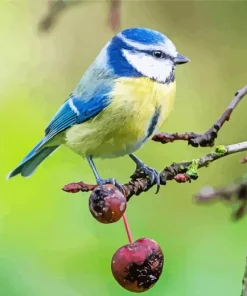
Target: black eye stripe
<point>161,55</point>
<point>151,52</point>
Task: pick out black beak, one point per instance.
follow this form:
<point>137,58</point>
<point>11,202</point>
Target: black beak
<point>180,59</point>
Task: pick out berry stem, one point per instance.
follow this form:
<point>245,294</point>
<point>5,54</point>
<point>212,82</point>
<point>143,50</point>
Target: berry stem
<point>126,225</point>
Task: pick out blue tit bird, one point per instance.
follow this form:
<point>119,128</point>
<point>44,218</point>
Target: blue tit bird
<point>119,103</point>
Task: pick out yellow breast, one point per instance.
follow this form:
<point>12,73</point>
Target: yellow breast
<point>138,108</point>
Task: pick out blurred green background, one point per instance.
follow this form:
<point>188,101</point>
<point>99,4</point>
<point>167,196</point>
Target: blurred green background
<point>49,243</point>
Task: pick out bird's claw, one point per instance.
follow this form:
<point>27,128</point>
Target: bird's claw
<point>152,174</point>
<point>110,181</point>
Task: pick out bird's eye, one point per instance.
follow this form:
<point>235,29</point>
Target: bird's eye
<point>158,54</point>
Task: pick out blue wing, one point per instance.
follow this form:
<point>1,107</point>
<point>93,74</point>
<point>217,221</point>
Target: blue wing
<point>77,110</point>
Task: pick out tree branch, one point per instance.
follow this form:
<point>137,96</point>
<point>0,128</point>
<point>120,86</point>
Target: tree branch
<point>180,172</point>
<point>207,139</point>
<point>56,7</point>
<point>235,194</point>
<point>244,281</point>
<point>114,14</point>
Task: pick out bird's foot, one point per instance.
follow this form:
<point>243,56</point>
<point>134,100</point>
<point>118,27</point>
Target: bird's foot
<point>153,175</point>
<point>110,181</point>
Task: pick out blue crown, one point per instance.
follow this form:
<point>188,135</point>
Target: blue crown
<point>144,36</point>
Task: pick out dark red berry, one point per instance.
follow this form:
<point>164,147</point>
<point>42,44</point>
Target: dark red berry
<point>107,204</point>
<point>138,266</point>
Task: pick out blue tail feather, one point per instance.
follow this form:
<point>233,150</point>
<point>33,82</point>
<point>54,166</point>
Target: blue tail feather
<point>32,160</point>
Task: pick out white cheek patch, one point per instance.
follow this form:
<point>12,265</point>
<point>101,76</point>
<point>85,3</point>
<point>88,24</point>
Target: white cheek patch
<point>157,69</point>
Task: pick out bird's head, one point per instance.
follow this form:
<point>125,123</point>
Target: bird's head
<point>141,52</point>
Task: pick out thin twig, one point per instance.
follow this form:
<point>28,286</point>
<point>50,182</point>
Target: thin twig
<point>114,14</point>
<point>235,193</point>
<point>244,281</point>
<point>207,139</point>
<point>55,8</point>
